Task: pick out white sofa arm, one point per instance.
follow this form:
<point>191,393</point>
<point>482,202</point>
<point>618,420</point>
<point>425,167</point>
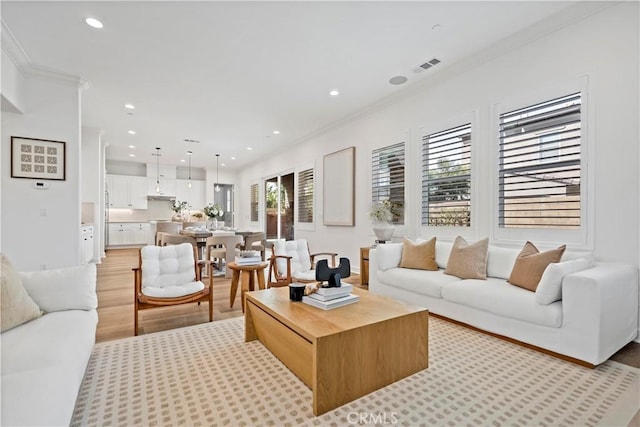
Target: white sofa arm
<point>70,288</point>
<point>383,257</point>
<point>602,302</point>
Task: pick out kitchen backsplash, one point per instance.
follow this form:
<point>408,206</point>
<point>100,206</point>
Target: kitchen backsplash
<point>156,210</point>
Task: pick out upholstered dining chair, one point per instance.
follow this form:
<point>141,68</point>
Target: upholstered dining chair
<point>170,275</point>
<point>167,227</point>
<point>218,248</point>
<point>255,242</point>
<point>291,261</point>
<point>177,239</point>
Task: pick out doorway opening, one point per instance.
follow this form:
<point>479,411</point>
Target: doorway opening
<point>224,198</point>
<point>279,206</point>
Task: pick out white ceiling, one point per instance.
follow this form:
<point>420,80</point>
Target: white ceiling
<point>230,73</point>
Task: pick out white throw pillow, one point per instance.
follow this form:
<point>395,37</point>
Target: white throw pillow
<point>68,288</point>
<point>550,287</point>
<point>388,255</point>
<point>501,261</point>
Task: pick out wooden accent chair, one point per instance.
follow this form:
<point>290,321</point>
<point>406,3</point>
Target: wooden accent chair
<point>170,275</point>
<point>291,261</point>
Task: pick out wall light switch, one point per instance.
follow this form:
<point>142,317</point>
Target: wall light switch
<point>41,185</point>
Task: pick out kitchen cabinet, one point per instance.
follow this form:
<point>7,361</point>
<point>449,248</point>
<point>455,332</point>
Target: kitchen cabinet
<point>194,196</point>
<point>167,187</point>
<point>128,192</point>
<point>86,244</point>
<point>128,233</point>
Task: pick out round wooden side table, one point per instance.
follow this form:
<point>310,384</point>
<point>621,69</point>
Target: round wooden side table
<point>246,274</point>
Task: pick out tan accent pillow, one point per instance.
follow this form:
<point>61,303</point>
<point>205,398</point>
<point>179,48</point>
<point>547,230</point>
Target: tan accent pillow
<point>421,256</point>
<point>531,263</point>
<point>468,261</point>
<point>16,307</point>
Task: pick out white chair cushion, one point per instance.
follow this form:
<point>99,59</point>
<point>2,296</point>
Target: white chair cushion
<point>298,250</point>
<point>305,275</point>
<point>173,291</point>
<point>164,266</point>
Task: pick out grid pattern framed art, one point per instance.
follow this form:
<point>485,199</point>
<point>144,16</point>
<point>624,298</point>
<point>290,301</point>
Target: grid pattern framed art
<point>38,158</point>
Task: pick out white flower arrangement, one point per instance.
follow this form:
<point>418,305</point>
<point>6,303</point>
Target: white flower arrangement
<point>382,211</point>
<point>179,206</point>
<point>213,211</point>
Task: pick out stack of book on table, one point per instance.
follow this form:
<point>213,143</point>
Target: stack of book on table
<point>328,298</point>
<point>248,258</point>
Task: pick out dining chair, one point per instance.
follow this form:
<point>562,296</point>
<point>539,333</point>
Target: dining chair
<point>255,242</point>
<point>170,227</point>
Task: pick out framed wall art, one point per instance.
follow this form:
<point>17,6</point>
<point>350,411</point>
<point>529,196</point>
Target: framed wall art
<point>338,201</point>
<point>37,158</point>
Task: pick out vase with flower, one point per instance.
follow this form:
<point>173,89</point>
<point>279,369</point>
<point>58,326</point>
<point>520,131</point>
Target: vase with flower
<point>178,207</point>
<point>213,212</point>
<point>382,214</point>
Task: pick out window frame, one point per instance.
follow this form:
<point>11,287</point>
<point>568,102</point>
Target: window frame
<point>405,142</point>
<point>581,238</point>
<point>257,203</point>
<point>306,226</point>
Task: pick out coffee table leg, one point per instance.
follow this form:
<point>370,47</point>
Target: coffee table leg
<point>234,287</point>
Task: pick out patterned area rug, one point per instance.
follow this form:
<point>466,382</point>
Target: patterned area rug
<point>206,375</point>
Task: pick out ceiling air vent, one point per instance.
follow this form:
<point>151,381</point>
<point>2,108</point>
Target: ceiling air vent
<point>430,63</point>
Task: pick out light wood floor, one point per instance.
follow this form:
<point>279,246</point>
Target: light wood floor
<point>115,301</point>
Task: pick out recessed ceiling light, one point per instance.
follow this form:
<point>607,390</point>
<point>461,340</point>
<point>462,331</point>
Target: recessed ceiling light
<point>131,132</point>
<point>221,164</point>
<point>132,146</point>
<point>93,22</point>
<point>249,148</point>
<point>233,158</point>
<point>182,160</point>
<point>129,106</point>
<point>276,132</point>
<point>334,92</point>
<point>132,155</point>
<point>398,80</point>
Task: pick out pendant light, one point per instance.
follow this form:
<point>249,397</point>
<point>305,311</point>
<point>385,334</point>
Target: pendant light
<point>217,186</point>
<point>189,153</point>
<point>157,154</point>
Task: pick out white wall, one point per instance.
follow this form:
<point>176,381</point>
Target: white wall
<point>13,85</point>
<point>92,183</point>
<point>31,240</point>
<point>601,49</point>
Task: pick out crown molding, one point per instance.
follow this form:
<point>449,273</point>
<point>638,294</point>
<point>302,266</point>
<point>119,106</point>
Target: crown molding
<point>19,57</point>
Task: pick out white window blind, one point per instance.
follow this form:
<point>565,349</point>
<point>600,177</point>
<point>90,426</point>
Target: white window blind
<point>539,172</point>
<point>446,177</point>
<point>254,202</point>
<point>387,177</point>
<point>305,196</point>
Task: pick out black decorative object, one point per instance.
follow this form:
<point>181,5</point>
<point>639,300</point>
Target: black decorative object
<point>332,275</point>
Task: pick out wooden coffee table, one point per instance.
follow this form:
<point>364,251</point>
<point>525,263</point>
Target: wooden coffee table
<point>344,353</point>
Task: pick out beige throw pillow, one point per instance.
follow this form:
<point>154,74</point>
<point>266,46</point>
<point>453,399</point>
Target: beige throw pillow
<point>468,261</point>
<point>530,265</point>
<point>17,306</point>
<point>421,256</point>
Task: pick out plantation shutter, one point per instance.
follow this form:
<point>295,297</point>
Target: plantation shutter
<point>446,177</point>
<point>254,202</point>
<point>305,196</point>
<point>539,172</point>
<point>387,177</point>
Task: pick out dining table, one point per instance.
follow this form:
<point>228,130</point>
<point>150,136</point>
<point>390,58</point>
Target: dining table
<point>230,239</point>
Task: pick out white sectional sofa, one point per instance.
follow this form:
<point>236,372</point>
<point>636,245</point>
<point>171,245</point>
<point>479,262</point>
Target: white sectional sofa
<point>44,360</point>
<point>597,315</point>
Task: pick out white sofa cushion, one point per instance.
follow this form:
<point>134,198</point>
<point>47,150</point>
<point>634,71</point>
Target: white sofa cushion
<point>389,255</point>
<point>17,306</point>
<point>500,261</point>
<point>499,297</point>
<point>43,363</point>
<point>550,287</point>
<point>164,266</point>
<point>70,288</point>
<point>423,282</point>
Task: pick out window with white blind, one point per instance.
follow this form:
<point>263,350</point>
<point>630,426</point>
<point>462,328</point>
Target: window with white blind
<point>305,196</point>
<point>253,208</point>
<point>446,177</point>
<point>387,177</point>
<point>539,169</point>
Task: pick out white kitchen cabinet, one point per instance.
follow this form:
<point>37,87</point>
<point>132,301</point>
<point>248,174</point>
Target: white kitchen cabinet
<point>128,192</point>
<point>166,171</point>
<point>128,233</point>
<point>86,244</point>
<point>194,196</point>
<point>167,187</point>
